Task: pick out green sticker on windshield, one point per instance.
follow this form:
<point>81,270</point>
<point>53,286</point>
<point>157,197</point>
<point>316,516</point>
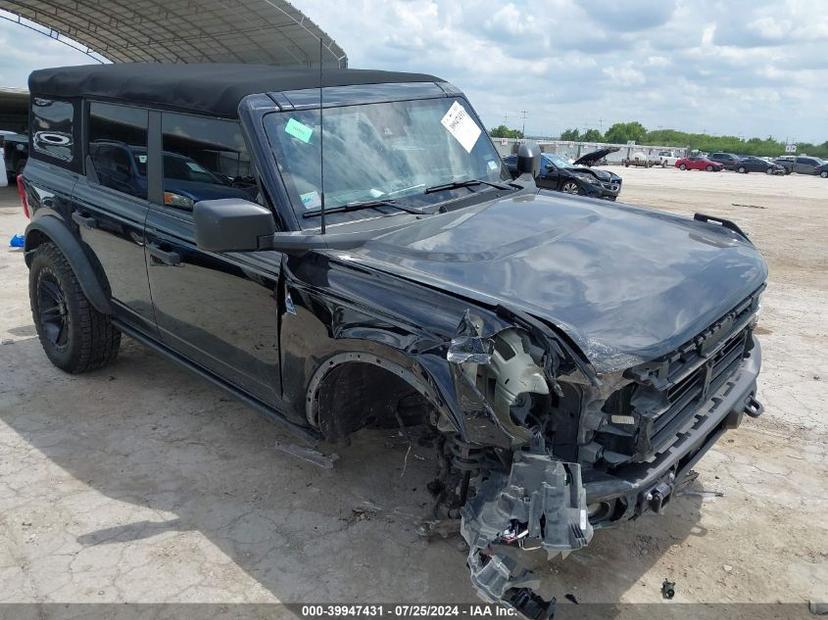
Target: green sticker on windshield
<point>298,130</point>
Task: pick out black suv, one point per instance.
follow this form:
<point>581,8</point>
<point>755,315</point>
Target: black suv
<point>728,160</point>
<point>572,359</point>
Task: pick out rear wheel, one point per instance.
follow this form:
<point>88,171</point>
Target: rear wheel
<point>709,168</point>
<point>824,174</point>
<point>571,187</point>
<point>683,167</point>
<point>74,336</point>
<point>743,170</point>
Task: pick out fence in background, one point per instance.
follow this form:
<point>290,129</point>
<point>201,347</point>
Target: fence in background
<point>574,150</point>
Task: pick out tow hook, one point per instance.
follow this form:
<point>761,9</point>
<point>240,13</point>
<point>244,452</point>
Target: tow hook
<point>658,497</point>
<point>753,407</point>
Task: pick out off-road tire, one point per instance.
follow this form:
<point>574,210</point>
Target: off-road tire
<point>85,339</point>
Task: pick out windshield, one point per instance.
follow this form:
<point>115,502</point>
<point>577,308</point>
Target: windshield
<point>381,151</point>
<point>557,160</point>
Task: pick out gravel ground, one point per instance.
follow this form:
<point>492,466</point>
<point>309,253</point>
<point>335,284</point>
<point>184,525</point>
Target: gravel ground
<point>140,483</point>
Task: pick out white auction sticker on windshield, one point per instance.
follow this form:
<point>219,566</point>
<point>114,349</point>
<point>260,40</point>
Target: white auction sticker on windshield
<point>461,126</point>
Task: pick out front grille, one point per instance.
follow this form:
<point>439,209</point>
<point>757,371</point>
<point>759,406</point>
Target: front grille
<point>652,412</point>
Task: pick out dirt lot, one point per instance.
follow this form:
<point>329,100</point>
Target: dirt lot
<point>140,483</point>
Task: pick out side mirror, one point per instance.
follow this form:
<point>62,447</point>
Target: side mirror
<point>528,159</point>
<point>232,224</point>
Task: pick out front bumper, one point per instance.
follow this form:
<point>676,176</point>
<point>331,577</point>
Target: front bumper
<point>631,490</point>
<point>605,189</point>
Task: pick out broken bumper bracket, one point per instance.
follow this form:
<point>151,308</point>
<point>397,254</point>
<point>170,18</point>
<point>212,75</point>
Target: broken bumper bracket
<point>541,504</point>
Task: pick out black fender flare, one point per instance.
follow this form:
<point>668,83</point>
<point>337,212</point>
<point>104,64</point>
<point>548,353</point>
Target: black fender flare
<point>55,230</point>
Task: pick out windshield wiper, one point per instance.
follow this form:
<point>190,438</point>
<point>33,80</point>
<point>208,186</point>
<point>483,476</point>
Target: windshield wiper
<point>466,183</point>
<point>365,204</point>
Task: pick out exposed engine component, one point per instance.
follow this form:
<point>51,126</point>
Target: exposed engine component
<point>512,376</point>
<point>499,377</point>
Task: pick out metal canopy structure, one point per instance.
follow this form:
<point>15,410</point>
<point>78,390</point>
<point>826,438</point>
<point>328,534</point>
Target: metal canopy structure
<point>183,31</point>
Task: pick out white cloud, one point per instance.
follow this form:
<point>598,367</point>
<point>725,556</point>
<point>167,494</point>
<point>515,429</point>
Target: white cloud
<point>751,67</point>
<point>741,67</point>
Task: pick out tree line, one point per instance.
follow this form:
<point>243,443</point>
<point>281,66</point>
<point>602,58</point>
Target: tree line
<point>621,133</point>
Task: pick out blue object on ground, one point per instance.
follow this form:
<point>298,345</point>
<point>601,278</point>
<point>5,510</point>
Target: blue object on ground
<point>17,241</point>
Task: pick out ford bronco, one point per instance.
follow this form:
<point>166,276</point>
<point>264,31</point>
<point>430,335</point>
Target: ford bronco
<point>348,250</point>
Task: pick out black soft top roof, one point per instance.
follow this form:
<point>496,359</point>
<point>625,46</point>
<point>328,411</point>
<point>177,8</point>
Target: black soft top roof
<point>210,88</point>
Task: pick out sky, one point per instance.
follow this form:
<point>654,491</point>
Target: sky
<point>737,67</point>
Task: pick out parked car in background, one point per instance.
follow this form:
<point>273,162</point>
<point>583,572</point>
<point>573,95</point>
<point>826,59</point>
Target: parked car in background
<point>698,162</point>
<point>758,164</point>
<point>787,162</point>
<point>642,159</point>
<point>556,173</point>
<point>808,165</point>
<point>596,158</point>
<point>728,160</point>
<point>667,158</point>
<point>15,152</point>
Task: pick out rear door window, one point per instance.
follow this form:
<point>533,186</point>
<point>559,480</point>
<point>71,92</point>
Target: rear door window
<point>118,147</point>
<point>53,122</point>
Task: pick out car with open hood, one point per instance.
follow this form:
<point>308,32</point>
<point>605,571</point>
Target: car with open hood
<point>596,158</point>
<point>556,173</point>
<point>570,360</point>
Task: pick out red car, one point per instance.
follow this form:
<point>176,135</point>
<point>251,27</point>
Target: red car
<point>699,163</point>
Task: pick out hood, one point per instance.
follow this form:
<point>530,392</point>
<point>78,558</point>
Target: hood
<point>626,284</point>
<point>590,158</point>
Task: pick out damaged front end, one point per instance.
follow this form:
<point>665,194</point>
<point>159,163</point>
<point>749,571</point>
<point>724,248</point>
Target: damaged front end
<point>544,449</point>
<point>511,490</point>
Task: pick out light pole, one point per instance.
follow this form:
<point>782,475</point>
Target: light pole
<point>523,126</point>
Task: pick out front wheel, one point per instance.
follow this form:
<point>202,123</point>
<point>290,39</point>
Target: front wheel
<point>709,168</point>
<point>742,170</point>
<point>824,174</point>
<point>571,187</point>
<point>74,336</point>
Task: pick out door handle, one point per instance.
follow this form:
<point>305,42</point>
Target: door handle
<point>83,220</point>
<point>165,256</point>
